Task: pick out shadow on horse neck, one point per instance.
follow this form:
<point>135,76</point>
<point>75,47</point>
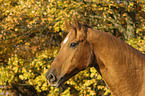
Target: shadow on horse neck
<point>121,66</point>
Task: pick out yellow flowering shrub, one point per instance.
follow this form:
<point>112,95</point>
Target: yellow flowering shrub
<point>31,32</point>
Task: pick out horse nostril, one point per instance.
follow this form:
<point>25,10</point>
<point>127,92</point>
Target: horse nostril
<point>51,78</point>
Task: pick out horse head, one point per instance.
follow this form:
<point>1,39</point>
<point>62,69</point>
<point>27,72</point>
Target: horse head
<point>75,54</point>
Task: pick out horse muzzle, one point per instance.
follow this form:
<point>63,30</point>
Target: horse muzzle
<point>53,81</point>
<point>57,81</point>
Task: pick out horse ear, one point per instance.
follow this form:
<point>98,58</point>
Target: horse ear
<point>67,24</point>
<point>76,23</point>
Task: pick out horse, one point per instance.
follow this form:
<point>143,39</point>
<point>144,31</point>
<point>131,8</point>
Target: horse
<point>121,66</point>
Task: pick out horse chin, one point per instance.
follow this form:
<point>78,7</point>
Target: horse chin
<point>63,79</point>
<point>66,77</point>
<point>60,82</point>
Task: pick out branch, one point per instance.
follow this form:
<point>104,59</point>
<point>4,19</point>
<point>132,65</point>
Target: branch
<point>122,29</point>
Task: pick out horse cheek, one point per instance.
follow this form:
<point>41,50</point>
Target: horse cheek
<point>85,57</point>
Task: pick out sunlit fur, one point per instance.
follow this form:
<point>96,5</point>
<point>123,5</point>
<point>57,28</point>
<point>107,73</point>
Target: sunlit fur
<point>121,66</point>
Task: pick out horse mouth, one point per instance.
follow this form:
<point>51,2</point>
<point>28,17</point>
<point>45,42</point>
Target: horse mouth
<point>60,82</point>
<point>63,79</point>
<point>57,84</point>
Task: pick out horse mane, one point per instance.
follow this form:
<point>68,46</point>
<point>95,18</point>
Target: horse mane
<point>130,55</point>
<point>120,60</point>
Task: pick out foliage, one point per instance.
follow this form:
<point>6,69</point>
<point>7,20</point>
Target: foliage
<point>31,32</point>
<point>138,43</point>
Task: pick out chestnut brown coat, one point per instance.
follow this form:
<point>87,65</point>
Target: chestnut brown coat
<point>121,66</point>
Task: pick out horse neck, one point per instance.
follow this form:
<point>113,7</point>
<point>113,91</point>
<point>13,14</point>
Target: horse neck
<point>121,65</point>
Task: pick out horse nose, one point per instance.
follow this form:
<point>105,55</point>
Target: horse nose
<point>51,78</point>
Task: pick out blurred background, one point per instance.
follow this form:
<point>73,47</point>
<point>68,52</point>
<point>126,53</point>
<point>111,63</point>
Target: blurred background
<point>31,32</point>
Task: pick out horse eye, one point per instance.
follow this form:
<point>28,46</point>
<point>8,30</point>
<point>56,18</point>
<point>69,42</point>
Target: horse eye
<point>73,44</point>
